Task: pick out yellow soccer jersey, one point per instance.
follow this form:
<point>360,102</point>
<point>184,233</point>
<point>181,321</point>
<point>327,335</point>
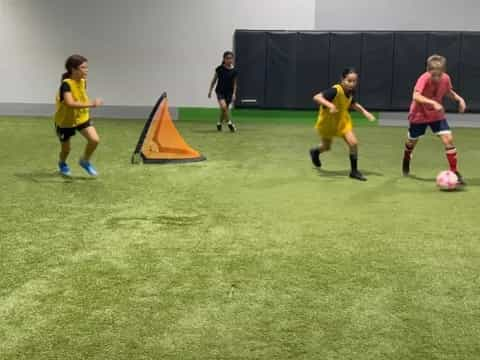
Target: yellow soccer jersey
<point>335,125</point>
<point>67,117</point>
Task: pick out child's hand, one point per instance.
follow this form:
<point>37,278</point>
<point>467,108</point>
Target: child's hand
<point>437,106</point>
<point>97,102</point>
<point>462,106</point>
<point>370,116</point>
<point>333,109</point>
<point>234,97</point>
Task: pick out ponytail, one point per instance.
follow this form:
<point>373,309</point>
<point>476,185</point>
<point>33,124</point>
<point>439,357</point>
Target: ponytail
<point>72,63</point>
<point>347,71</point>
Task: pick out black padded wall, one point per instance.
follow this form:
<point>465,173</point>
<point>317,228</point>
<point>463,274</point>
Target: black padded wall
<point>251,52</point>
<point>408,64</point>
<point>281,70</point>
<point>470,70</point>
<point>345,51</point>
<point>285,69</point>
<point>447,44</point>
<point>376,73</point>
<point>312,67</point>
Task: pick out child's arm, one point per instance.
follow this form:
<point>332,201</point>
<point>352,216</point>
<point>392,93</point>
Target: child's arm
<point>356,106</point>
<point>235,86</point>
<point>320,100</point>
<point>419,98</point>
<point>70,102</point>
<point>212,84</point>
<point>462,106</point>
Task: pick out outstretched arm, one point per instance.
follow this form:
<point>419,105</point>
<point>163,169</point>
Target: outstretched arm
<point>212,85</point>
<point>356,106</point>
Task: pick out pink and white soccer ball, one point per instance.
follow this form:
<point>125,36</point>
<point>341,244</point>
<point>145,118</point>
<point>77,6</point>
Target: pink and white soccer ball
<point>447,180</point>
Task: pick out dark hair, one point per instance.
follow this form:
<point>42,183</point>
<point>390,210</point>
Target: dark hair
<point>347,71</point>
<point>227,54</point>
<point>73,62</point>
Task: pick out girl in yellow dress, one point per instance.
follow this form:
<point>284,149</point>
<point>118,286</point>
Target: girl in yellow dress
<point>334,119</point>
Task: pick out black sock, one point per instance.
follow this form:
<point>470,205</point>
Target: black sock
<point>354,162</point>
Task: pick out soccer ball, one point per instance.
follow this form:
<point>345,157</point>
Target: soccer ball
<point>447,180</point>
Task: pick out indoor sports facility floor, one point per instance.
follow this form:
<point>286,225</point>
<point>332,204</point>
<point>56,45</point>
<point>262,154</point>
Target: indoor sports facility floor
<point>252,254</point>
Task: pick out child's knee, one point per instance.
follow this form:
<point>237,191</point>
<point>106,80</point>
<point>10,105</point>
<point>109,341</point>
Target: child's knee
<point>326,146</point>
<point>94,140</point>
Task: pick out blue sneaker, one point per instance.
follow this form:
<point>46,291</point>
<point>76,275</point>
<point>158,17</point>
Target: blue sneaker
<point>88,167</point>
<point>64,169</point>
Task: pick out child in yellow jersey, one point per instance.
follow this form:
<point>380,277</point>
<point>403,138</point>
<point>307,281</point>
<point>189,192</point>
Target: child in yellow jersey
<point>72,114</point>
<point>334,119</point>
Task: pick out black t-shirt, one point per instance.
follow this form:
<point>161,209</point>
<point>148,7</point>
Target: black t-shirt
<point>64,88</point>
<point>226,80</point>
<point>330,94</point>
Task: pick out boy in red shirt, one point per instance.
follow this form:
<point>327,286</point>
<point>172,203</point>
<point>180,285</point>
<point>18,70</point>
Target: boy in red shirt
<point>427,111</point>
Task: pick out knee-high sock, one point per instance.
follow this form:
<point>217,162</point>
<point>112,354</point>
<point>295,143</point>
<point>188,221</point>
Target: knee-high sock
<point>452,157</point>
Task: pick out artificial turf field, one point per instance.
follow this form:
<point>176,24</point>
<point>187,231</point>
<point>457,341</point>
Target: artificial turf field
<point>252,254</point>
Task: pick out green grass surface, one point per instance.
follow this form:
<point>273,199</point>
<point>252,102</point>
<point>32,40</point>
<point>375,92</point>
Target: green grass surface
<point>252,254</point>
<point>271,116</point>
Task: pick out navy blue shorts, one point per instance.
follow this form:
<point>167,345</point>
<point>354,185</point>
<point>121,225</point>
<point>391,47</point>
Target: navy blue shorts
<point>227,97</point>
<point>440,127</point>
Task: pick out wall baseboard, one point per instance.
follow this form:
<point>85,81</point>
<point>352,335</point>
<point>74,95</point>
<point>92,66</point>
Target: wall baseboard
<point>108,112</point>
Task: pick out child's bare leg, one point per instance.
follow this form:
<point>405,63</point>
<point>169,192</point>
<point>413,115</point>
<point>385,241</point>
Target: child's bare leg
<point>90,133</point>
<point>65,148</point>
<point>407,155</point>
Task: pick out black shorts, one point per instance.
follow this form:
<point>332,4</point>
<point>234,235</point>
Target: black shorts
<point>227,97</point>
<point>64,134</point>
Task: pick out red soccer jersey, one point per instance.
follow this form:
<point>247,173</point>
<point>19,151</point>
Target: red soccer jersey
<point>425,113</point>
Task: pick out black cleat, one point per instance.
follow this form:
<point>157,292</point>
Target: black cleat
<point>315,156</point>
<point>219,127</point>
<point>461,181</point>
<point>406,167</point>
<point>232,127</point>
<point>357,175</point>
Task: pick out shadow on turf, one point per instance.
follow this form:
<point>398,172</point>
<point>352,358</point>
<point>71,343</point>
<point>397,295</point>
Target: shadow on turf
<point>344,173</point>
<point>50,176</point>
<point>167,220</point>
<point>469,181</point>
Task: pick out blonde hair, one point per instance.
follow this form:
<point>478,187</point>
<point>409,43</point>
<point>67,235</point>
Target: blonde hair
<point>437,62</point>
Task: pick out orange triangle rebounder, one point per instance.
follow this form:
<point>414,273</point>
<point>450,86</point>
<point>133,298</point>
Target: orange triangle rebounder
<point>161,143</point>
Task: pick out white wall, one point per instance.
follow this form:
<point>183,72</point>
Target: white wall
<point>136,48</point>
<point>455,15</point>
